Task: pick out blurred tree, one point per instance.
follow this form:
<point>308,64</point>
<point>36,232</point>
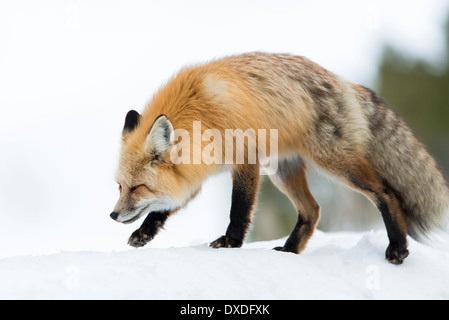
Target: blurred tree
<point>420,94</point>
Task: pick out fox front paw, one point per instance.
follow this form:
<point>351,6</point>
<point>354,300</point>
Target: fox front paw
<point>225,242</point>
<point>139,239</point>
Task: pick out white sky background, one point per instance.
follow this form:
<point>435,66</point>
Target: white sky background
<point>70,70</point>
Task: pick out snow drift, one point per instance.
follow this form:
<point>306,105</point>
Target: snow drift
<point>333,266</point>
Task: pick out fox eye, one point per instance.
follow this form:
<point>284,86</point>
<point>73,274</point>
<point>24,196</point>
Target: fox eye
<point>135,188</point>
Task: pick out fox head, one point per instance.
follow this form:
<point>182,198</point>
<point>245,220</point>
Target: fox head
<point>146,177</point>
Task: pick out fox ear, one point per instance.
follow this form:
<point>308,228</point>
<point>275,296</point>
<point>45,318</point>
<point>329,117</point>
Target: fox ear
<point>131,121</point>
<point>161,136</point>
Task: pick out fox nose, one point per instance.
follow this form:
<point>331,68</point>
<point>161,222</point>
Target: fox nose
<point>114,215</point>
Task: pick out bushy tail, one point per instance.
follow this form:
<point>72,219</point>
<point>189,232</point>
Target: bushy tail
<point>408,169</point>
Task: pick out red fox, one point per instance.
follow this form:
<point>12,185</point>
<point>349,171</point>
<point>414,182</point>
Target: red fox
<point>344,128</point>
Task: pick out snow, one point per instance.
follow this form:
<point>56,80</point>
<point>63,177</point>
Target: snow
<point>333,266</point>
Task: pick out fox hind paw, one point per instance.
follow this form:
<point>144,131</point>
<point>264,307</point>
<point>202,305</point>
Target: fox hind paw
<point>396,254</point>
<point>285,249</point>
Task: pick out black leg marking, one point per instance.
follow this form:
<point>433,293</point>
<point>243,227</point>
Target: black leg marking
<point>149,228</point>
<point>244,189</point>
<point>397,249</point>
<point>292,180</point>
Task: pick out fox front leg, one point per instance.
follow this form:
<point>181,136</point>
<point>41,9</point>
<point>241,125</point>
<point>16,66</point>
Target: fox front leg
<point>149,228</point>
<point>245,181</point>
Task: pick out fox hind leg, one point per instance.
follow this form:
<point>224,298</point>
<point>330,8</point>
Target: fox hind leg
<point>291,179</point>
<point>365,179</point>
